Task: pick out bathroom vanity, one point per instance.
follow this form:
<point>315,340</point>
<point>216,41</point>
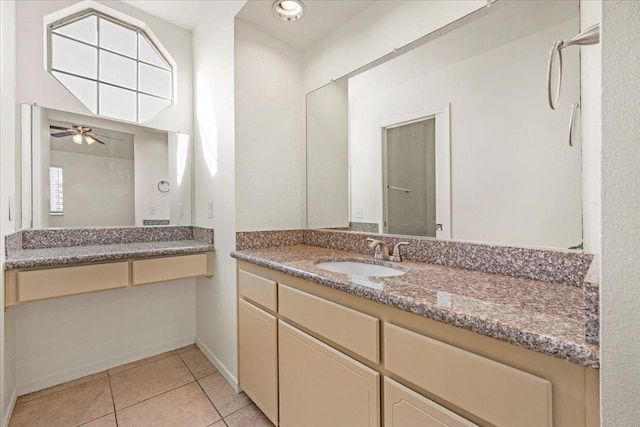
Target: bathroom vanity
<point>43,264</point>
<point>433,346</point>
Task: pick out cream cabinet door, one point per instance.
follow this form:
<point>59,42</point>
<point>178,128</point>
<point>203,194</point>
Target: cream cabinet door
<point>258,357</point>
<point>404,407</point>
<point>320,387</point>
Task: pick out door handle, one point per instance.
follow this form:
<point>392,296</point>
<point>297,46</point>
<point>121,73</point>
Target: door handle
<point>406,190</point>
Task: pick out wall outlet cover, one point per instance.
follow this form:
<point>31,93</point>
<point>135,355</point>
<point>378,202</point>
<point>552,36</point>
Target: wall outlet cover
<point>152,210</point>
<point>358,213</point>
<point>210,209</point>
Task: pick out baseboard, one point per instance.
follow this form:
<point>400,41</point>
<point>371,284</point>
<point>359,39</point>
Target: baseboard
<point>231,379</point>
<point>9,409</point>
<point>101,365</point>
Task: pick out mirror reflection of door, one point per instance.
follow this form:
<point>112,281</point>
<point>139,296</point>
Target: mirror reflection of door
<point>410,182</point>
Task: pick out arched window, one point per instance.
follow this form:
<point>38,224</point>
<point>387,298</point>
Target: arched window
<point>112,67</point>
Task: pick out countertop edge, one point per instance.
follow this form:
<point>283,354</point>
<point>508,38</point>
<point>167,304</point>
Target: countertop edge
<point>45,262</point>
<point>573,352</point>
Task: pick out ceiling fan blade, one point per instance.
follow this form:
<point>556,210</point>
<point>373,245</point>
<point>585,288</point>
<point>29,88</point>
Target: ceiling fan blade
<point>96,140</point>
<point>105,136</point>
<point>62,128</point>
<point>61,134</point>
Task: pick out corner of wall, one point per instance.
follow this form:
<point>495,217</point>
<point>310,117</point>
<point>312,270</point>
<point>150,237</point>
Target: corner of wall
<point>214,163</point>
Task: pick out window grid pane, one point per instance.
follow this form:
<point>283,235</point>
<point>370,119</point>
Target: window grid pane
<point>56,190</point>
<point>111,40</point>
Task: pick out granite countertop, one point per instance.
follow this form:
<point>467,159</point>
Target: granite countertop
<point>56,256</point>
<point>545,317</point>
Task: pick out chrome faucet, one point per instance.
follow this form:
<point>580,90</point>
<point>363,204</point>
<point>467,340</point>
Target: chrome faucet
<point>396,257</point>
<point>381,250</point>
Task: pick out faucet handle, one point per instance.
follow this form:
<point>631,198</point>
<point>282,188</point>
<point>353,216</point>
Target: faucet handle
<point>374,243</point>
<point>396,252</point>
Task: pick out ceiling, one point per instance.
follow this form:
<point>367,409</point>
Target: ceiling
<point>182,13</point>
<point>321,18</point>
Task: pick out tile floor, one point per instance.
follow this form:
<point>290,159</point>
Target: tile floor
<point>178,388</point>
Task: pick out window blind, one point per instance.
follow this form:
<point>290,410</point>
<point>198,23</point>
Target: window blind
<point>56,190</point>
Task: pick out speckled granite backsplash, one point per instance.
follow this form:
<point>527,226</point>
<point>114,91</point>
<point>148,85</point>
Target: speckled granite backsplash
<point>66,237</point>
<point>538,264</point>
<point>265,239</point>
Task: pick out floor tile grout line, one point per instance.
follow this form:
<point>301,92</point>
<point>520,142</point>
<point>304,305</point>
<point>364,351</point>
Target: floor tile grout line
<point>187,366</point>
<point>113,401</point>
<point>151,397</point>
<point>58,392</point>
<point>240,409</point>
<point>212,404</point>
<point>208,375</point>
<point>142,364</point>
<point>192,373</point>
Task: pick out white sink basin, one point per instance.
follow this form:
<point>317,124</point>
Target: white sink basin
<point>359,268</point>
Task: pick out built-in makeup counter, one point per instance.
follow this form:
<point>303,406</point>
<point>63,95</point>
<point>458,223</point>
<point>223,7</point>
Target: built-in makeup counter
<point>50,263</point>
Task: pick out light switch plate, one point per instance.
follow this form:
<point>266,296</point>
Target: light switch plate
<point>181,210</point>
<point>358,213</point>
<point>210,209</point>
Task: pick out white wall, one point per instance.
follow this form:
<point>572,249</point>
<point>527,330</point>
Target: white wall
<point>180,178</point>
<point>375,32</point>
<point>213,52</point>
<point>7,190</point>
<point>36,85</point>
<point>66,338</point>
<point>620,296</point>
<point>98,190</point>
<point>513,180</point>
<point>328,153</point>
<point>269,105</point>
<point>591,109</point>
<point>151,157</point>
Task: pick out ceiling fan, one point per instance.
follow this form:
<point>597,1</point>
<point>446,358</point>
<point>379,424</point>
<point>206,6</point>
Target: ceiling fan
<point>80,134</point>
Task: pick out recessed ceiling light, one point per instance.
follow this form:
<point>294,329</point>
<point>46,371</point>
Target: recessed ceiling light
<point>288,10</point>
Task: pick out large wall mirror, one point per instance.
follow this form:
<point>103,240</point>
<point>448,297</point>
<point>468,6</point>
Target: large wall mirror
<point>452,137</point>
<point>84,171</point>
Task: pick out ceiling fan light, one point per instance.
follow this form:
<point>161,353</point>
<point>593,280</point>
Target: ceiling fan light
<point>77,138</point>
<point>288,10</point>
<point>90,140</point>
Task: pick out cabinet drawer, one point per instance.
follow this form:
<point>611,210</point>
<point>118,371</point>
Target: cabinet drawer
<point>258,357</point>
<point>257,289</point>
<point>321,387</point>
<point>497,393</point>
<point>348,328</point>
<point>406,408</point>
<point>58,282</point>
<point>169,268</point>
